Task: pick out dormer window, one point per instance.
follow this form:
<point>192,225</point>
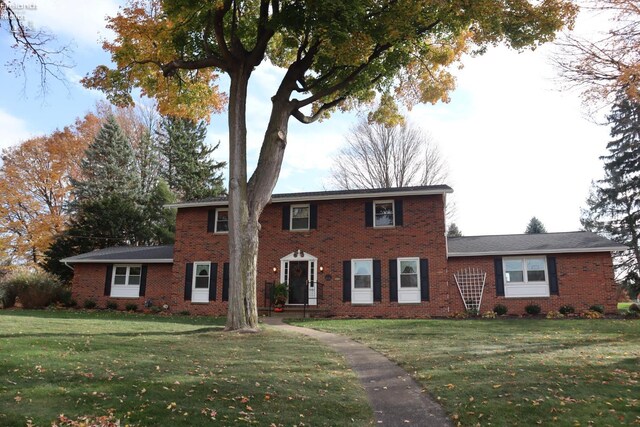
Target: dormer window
<point>383,213</point>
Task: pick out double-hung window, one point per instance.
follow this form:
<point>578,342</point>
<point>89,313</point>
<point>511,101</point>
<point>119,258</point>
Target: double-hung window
<point>125,282</point>
<point>201,275</point>
<point>222,221</point>
<point>299,217</point>
<point>383,213</point>
<point>362,281</point>
<point>408,280</point>
<point>526,277</point>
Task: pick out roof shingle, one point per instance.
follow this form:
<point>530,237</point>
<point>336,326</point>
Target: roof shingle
<point>155,254</point>
<point>522,244</point>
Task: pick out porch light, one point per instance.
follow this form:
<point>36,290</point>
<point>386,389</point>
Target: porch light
<point>275,269</point>
<point>321,269</point>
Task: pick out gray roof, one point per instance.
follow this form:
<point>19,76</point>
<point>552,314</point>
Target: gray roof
<point>524,244</point>
<point>146,254</point>
<point>328,195</point>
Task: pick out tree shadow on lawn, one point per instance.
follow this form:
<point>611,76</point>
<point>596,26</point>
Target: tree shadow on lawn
<point>115,334</point>
<point>70,314</point>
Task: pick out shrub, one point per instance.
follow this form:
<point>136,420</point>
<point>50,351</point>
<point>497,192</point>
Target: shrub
<point>592,315</point>
<point>472,312</point>
<point>489,315</point>
<point>112,305</point>
<point>634,308</point>
<point>131,307</point>
<point>34,289</point>
<point>461,315</point>
<point>555,314</point>
<point>567,309</point>
<point>532,309</point>
<point>184,313</point>
<point>598,308</point>
<point>155,309</point>
<point>500,309</point>
<point>89,304</point>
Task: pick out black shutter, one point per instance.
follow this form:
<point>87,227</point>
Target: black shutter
<point>424,279</point>
<point>286,217</point>
<point>313,216</point>
<point>213,281</point>
<point>107,280</point>
<point>143,280</point>
<point>377,280</point>
<point>398,212</point>
<point>188,278</point>
<point>393,280</point>
<point>211,221</point>
<point>497,266</point>
<point>553,275</point>
<point>346,281</point>
<point>225,281</point>
<point>368,214</point>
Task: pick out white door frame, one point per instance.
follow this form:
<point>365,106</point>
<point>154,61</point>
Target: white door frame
<point>312,273</point>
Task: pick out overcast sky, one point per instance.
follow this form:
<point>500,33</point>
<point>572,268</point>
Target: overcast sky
<point>516,145</point>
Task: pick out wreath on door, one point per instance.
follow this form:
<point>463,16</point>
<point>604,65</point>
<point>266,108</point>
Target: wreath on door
<point>297,271</point>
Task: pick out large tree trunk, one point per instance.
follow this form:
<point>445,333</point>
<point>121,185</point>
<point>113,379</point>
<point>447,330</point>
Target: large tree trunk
<point>248,199</point>
<point>243,224</point>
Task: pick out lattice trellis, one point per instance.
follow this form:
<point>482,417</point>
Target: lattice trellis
<point>470,283</point>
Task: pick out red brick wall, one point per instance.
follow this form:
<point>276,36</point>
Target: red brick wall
<point>583,280</point>
<point>89,279</point>
<point>341,235</point>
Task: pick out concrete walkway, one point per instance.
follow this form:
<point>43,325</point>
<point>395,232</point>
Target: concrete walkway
<point>396,399</point>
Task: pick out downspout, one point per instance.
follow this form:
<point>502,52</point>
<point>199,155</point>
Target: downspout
<point>68,266</point>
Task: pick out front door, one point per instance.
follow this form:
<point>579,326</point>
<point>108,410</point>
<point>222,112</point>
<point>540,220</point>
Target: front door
<point>298,276</point>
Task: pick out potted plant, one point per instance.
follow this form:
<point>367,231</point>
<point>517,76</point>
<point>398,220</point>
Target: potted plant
<point>280,294</point>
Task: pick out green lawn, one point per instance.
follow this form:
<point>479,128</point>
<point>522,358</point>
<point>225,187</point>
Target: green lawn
<point>175,371</point>
<point>515,372</point>
<point>624,306</point>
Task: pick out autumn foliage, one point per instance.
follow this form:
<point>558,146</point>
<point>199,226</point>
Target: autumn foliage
<point>35,187</point>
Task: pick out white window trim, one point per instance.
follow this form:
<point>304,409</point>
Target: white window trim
<point>417,290</point>
<point>216,222</point>
<point>393,212</point>
<point>127,290</point>
<point>354,290</point>
<point>525,289</point>
<point>200,295</point>
<point>303,205</point>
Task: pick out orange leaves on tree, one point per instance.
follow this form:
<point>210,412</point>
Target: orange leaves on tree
<point>146,41</point>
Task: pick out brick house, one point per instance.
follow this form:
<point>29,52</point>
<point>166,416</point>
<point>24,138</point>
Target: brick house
<point>368,253</point>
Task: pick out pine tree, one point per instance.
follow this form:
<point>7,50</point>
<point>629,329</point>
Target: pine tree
<point>454,231</point>
<point>613,207</point>
<point>535,226</point>
<point>109,166</point>
<point>190,170</point>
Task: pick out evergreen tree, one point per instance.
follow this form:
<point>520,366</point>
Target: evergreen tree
<point>110,206</point>
<point>613,207</point>
<point>109,166</point>
<point>535,226</point>
<point>454,231</point>
<point>190,170</point>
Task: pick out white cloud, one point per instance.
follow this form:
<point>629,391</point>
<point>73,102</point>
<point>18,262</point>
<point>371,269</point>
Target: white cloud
<point>14,130</point>
<point>82,21</point>
<point>517,147</point>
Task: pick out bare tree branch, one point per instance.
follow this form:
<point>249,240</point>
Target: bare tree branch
<point>379,156</point>
<point>31,44</point>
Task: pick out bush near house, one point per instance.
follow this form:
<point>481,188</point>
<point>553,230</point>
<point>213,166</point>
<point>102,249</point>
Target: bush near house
<point>34,289</point>
<point>532,309</point>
